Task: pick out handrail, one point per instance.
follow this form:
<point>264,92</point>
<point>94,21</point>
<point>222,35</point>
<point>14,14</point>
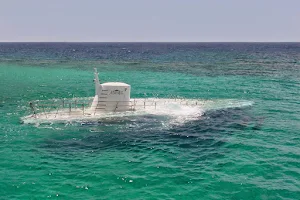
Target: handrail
<point>74,105</point>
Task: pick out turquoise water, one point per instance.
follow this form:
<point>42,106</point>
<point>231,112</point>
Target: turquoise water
<point>248,152</point>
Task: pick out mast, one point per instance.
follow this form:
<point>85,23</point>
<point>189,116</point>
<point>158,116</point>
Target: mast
<point>96,80</point>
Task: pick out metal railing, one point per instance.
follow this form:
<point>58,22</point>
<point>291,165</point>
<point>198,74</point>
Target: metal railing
<point>56,105</point>
<point>69,106</point>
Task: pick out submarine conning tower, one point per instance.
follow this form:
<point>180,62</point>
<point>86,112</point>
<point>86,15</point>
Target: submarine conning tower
<point>110,96</point>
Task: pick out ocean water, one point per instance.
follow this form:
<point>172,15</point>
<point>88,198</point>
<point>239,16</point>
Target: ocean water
<point>227,152</point>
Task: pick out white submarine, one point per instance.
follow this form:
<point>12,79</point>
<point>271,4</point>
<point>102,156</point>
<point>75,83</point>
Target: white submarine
<point>112,99</point>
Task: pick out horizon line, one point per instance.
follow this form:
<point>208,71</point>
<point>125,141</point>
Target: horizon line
<point>149,41</point>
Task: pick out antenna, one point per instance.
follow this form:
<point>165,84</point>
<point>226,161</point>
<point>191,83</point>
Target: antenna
<point>96,76</point>
<point>96,80</point>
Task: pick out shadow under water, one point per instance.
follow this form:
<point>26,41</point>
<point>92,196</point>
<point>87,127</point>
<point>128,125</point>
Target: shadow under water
<point>203,136</point>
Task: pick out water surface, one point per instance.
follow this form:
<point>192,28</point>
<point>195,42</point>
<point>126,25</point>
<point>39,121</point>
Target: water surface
<point>248,152</point>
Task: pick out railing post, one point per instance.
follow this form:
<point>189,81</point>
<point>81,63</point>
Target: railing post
<point>116,106</point>
<point>32,108</point>
<point>44,111</point>
<point>70,108</point>
<point>56,111</point>
<point>83,108</point>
